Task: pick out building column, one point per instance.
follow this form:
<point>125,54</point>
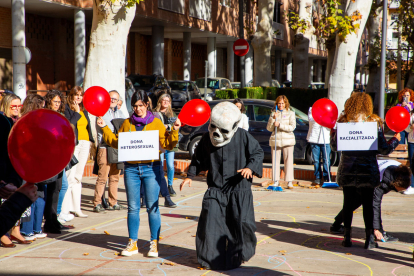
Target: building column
<point>187,56</point>
<point>212,57</point>
<point>230,61</point>
<point>248,65</point>
<point>289,66</point>
<point>18,51</point>
<point>319,71</point>
<point>310,70</point>
<point>363,76</point>
<point>158,50</point>
<point>79,42</point>
<point>278,65</point>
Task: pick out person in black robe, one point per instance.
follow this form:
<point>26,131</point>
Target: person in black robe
<point>226,227</point>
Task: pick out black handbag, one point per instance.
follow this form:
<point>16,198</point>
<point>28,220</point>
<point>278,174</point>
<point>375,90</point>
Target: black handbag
<point>73,161</point>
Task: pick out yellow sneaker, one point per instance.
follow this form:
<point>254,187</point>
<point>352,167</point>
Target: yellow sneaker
<point>131,248</point>
<point>153,252</point>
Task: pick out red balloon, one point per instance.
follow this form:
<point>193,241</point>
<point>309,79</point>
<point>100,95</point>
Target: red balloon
<point>40,145</point>
<point>397,118</point>
<point>325,112</point>
<point>195,113</point>
<point>96,100</point>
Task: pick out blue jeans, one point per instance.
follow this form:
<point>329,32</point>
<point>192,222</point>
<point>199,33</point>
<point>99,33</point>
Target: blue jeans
<point>169,156</point>
<point>35,223</point>
<point>410,155</point>
<point>62,192</point>
<point>404,136</point>
<point>135,175</point>
<point>317,150</point>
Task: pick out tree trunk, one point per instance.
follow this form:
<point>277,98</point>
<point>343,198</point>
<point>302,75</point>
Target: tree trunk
<point>331,55</point>
<point>301,47</point>
<point>341,81</point>
<point>107,49</point>
<point>410,83</point>
<point>300,78</point>
<point>262,44</point>
<point>373,25</point>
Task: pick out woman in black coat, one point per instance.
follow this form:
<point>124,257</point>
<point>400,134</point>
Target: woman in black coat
<point>358,172</point>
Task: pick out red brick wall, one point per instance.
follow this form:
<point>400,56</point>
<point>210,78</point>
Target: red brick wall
<point>5,28</point>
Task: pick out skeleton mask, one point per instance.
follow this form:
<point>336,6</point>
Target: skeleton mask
<point>223,123</point>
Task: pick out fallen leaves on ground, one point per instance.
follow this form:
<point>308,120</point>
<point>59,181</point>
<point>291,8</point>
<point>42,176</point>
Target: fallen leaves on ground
<point>116,253</point>
<point>161,238</point>
<point>168,263</point>
<point>201,268</point>
<point>282,251</point>
<point>93,229</point>
<point>107,233</point>
<point>85,254</point>
<point>348,253</point>
<point>193,236</point>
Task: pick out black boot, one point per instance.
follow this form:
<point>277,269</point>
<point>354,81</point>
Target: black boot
<point>171,191</point>
<point>370,239</point>
<point>347,237</point>
<point>169,203</point>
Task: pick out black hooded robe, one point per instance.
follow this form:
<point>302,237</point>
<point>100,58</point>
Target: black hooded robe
<point>226,227</point>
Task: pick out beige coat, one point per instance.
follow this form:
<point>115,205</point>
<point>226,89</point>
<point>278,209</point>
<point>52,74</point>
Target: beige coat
<point>284,136</point>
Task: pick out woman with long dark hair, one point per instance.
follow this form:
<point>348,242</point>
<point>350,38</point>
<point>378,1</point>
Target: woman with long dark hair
<point>79,117</point>
<point>137,172</point>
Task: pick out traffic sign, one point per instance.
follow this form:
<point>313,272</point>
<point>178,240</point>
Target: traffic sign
<point>241,47</point>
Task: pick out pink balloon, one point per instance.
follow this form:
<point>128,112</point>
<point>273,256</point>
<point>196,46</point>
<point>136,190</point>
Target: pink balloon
<point>325,112</point>
<point>96,100</point>
<point>397,118</point>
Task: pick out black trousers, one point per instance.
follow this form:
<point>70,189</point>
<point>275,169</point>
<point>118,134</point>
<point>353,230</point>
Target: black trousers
<point>353,198</point>
<point>52,198</point>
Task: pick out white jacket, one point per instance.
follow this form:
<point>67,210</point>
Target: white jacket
<point>285,136</point>
<point>244,122</point>
<point>315,133</point>
<point>410,130</point>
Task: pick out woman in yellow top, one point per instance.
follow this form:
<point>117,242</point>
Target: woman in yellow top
<point>77,116</point>
<point>142,171</point>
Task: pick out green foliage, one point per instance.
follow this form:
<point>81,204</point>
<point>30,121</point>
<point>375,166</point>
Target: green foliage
<point>299,25</point>
<point>128,3</point>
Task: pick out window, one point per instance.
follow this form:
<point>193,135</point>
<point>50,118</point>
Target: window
<point>201,9</point>
<point>177,6</point>
<point>212,84</point>
<point>190,86</point>
<point>178,86</point>
<point>225,84</point>
<point>277,16</point>
<point>262,113</point>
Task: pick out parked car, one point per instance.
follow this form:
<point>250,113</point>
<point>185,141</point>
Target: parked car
<point>152,84</point>
<point>317,85</point>
<point>235,85</point>
<point>182,92</point>
<point>275,83</point>
<point>287,84</point>
<point>258,112</point>
<point>213,84</point>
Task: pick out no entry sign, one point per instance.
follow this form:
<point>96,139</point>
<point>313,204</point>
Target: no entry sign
<point>241,47</point>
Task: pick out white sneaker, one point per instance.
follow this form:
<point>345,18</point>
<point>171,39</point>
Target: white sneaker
<point>30,237</point>
<point>40,235</point>
<point>65,217</point>
<point>409,191</point>
<point>131,249</point>
<point>290,185</point>
<point>276,183</point>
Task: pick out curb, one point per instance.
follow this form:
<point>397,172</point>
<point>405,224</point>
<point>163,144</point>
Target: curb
<point>182,166</point>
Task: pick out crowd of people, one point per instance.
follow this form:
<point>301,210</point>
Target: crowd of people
<point>363,178</point>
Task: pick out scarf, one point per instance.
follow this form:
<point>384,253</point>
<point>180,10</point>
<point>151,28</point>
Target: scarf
<point>138,121</point>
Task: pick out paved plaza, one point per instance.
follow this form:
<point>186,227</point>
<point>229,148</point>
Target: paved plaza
<point>292,233</point>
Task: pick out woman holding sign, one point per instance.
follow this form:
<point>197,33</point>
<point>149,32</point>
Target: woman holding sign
<point>144,170</point>
<point>358,172</point>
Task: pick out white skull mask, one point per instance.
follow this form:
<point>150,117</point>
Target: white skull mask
<point>223,123</point>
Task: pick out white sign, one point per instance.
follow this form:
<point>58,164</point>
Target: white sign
<point>357,136</point>
<point>383,164</point>
<point>138,146</point>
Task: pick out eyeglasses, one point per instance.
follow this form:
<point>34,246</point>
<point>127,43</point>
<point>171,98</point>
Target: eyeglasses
<point>16,106</point>
<point>114,100</point>
<point>57,102</point>
<point>166,100</point>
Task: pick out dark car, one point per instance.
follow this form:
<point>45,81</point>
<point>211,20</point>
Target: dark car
<point>182,92</point>
<point>258,112</point>
<point>152,84</point>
